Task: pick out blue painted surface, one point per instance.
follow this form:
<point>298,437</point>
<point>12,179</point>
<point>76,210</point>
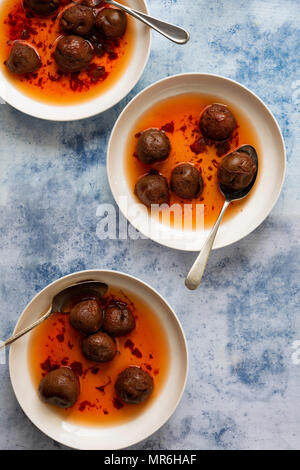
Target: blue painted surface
<point>243,389</point>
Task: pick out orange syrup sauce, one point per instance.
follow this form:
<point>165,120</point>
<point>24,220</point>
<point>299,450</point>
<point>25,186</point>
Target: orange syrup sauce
<point>46,84</point>
<point>179,117</point>
<point>56,343</point>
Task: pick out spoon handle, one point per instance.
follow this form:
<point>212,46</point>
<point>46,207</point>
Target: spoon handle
<point>195,275</point>
<point>170,31</point>
<point>13,338</point>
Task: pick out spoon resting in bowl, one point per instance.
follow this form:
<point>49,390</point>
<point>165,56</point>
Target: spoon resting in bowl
<point>87,289</point>
<point>232,192</point>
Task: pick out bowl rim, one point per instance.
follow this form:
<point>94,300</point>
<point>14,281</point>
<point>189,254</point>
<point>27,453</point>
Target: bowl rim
<point>178,327</point>
<point>203,75</point>
<point>84,114</point>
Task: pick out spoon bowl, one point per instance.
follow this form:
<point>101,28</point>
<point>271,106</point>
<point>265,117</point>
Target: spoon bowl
<point>195,275</point>
<point>77,292</point>
<point>231,195</point>
<point>80,291</point>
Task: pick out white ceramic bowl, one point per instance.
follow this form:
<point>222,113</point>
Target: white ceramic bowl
<point>272,171</point>
<point>97,105</point>
<point>100,438</point>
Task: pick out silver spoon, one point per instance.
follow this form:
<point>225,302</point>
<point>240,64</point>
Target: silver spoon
<point>170,31</point>
<point>195,275</point>
<point>87,289</point>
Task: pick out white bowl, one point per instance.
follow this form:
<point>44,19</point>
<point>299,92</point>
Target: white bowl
<point>97,105</point>
<point>272,171</point>
<point>100,438</point>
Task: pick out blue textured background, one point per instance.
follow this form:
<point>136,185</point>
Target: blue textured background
<point>243,389</point>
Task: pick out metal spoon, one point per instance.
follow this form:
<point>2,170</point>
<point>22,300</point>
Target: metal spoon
<point>195,275</point>
<point>170,31</point>
<point>80,291</point>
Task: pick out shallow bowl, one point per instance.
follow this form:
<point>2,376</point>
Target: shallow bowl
<point>100,437</point>
<point>11,95</point>
<point>272,160</point>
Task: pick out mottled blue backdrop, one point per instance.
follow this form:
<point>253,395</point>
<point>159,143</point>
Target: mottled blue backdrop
<point>243,390</point>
